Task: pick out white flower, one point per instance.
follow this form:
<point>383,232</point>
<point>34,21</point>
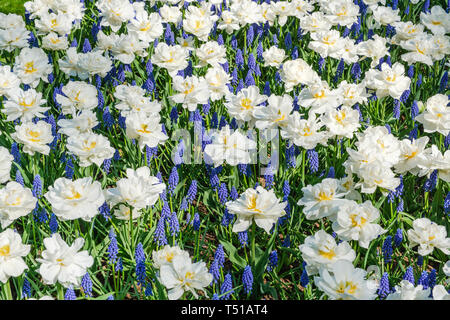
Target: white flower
<point>15,202</point>
<point>123,213</point>
<point>421,49</point>
<point>405,31</point>
<point>321,200</point>
<point>390,81</point>
<point>183,275</point>
<point>146,128</point>
<point>90,148</point>
<point>437,20</point>
<point>355,221</point>
<point>217,80</point>
<point>321,251</point>
<point>34,137</point>
<point>127,47</point>
<point>345,283</point>
<point>326,43</point>
<point>273,57</point>
<point>407,291</point>
<point>319,98</point>
<point>5,164</point>
<point>275,114</point>
<point>234,148</point>
<point>24,105</point>
<point>63,264</point>
<point>70,65</point>
<point>352,93</point>
<point>139,190</point>
<point>314,22</point>
<point>191,91</point>
<point>348,52</point>
<point>165,255</point>
<point>173,58</point>
<point>440,293</point>
<point>133,99</point>
<point>53,41</point>
<point>377,174</point>
<point>343,122</point>
<point>295,72</point>
<point>374,48</point>
<point>54,22</point>
<point>242,105</point>
<point>428,235</point>
<point>258,205</point>
<point>11,252</point>
<point>199,21</point>
<point>228,22</point>
<point>147,27</point>
<point>412,155</point>
<point>93,63</point>
<point>115,12</point>
<point>71,200</point>
<point>171,14</point>
<point>385,16</point>
<point>341,12</point>
<point>80,123</point>
<point>8,81</point>
<point>436,117</point>
<point>14,38</point>
<point>32,65</point>
<point>304,133</point>
<point>211,53</point>
<point>283,9</point>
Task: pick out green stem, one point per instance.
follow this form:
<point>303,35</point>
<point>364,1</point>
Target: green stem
<point>253,257</point>
<point>8,290</point>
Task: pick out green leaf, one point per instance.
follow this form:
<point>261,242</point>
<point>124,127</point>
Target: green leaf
<point>233,254</point>
<point>262,257</point>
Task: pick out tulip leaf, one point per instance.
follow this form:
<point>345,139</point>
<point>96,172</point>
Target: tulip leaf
<point>233,254</point>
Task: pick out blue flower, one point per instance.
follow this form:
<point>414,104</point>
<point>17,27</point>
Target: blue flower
<point>387,249</point>
<point>86,285</point>
<point>243,238</point>
<point>409,275</point>
<point>247,279</point>
<point>384,289</point>
<point>70,294</point>
<point>313,160</point>
<point>226,287</point>
<point>304,279</point>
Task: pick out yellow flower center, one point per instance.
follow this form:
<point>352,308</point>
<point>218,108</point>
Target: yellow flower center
<point>4,251</point>
<point>29,67</point>
<point>34,135</point>
<point>410,156</point>
<point>26,105</point>
<point>90,146</point>
<point>340,117</point>
<point>327,254</point>
<point>246,103</point>
<point>144,129</point>
<point>252,204</point>
<point>187,91</point>
<point>319,95</point>
<point>146,27</point>
<point>60,261</point>
<point>189,275</point>
<point>306,131</point>
<point>170,256</point>
<point>347,286</point>
<point>357,221</point>
<point>324,196</point>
